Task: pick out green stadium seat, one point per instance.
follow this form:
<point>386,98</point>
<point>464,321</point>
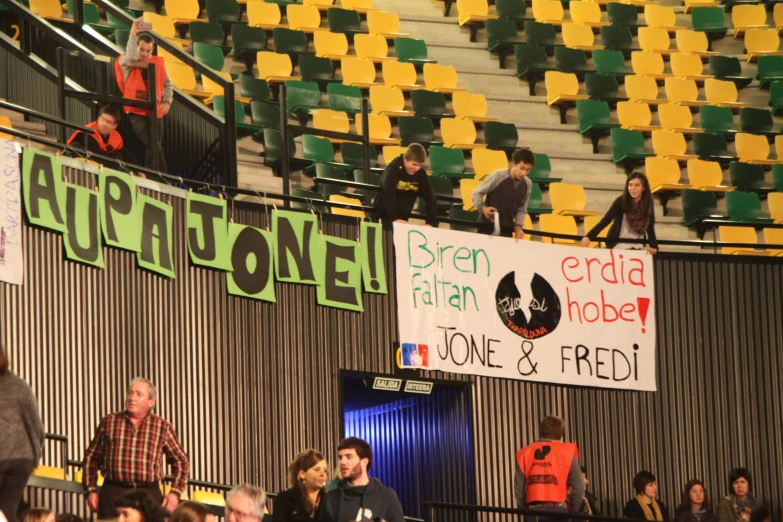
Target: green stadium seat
<point>290,42</point>
<point>745,207</point>
<point>448,163</point>
<point>542,170</point>
<point>709,20</point>
<point>712,147</point>
<point>346,21</point>
<point>265,114</point>
<point>429,104</point>
<point>747,177</point>
<point>254,88</point>
<point>542,35</point>
<point>602,87</point>
<point>244,129</point>
<point>594,120</point>
<point>324,170</point>
<point>770,69</point>
<point>247,42</point>
<point>628,148</point>
<point>345,98</point>
<point>513,10</point>
<point>411,50</point>
<point>121,38</point>
<point>776,96</point>
<point>374,178</point>
<point>414,129</point>
<point>610,63</point>
<point>535,207</point>
<point>441,187</point>
<point>304,193</point>
<point>698,205</point>
<point>717,120</point>
<point>273,154</point>
<point>618,38</point>
<point>353,154</point>
<point>224,12</point>
<point>757,121</point>
<point>532,64</point>
<point>302,96</point>
<point>209,55</point>
<point>501,136</point>
<point>282,3</point>
<point>210,34</point>
<point>465,215</point>
<point>502,38</point>
<point>315,69</point>
<point>572,61</point>
<point>729,68</point>
<point>623,14</point>
<point>320,150</point>
<point>777,177</point>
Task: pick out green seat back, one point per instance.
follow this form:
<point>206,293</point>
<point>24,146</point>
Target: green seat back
<point>535,195</point>
<point>500,136</point>
<point>374,178</point>
<point>600,86</point>
<point>223,11</point>
<point>755,120</point>
<point>273,145</point>
<point>121,38</point>
<point>708,19</point>
<point>116,23</point>
<point>208,33</point>
<point>304,193</point>
<point>444,160</point>
<point>218,105</point>
<point>529,58</point>
<point>777,177</point>
<point>716,119</point>
<point>302,95</point>
<point>317,149</point>
<point>511,10</point>
<point>289,41</point>
<point>314,68</point>
<point>725,66</point>
<point>697,204</point>
<point>265,114</point>
<point>247,40</point>
<point>776,94</point>
<point>609,62</point>
<point>540,34</point>
<point>543,166</point>
<point>500,31</point>
<point>209,55</point>
<point>254,88</point>
<point>345,98</point>
<point>322,170</point>
<point>440,187</point>
<point>626,142</point>
<point>622,14</point>
<point>410,49</point>
<point>617,37</point>
<point>592,112</point>
<point>770,68</point>
<point>343,20</point>
<point>706,145</point>
<point>414,129</point>
<point>465,215</point>
<point>353,154</point>
<point>570,60</point>
<point>745,176</point>
<point>428,103</point>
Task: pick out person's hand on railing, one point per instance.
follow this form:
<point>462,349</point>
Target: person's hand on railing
<point>585,241</point>
<point>652,251</point>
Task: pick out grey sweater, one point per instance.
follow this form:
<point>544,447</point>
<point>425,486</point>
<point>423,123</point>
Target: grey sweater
<point>20,424</point>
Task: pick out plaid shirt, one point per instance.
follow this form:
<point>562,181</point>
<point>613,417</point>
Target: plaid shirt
<point>127,454</point>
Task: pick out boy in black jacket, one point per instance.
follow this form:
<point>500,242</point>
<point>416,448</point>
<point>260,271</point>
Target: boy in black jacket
<point>402,182</point>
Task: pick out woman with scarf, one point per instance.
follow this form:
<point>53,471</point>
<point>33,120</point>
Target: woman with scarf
<point>645,506</point>
<point>739,504</point>
<point>632,217</point>
<point>694,507</point>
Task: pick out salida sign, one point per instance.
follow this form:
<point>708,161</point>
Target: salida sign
<point>293,251</point>
<point>491,306</point>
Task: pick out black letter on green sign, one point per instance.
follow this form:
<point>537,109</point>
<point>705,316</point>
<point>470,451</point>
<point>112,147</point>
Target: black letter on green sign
<point>250,241</point>
<point>42,166</point>
<point>153,227</point>
<point>90,253</point>
<point>209,213</point>
<point>334,292</point>
<point>122,205</point>
<point>287,242</point>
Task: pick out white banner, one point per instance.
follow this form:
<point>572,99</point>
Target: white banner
<point>11,259</point>
<point>484,305</point>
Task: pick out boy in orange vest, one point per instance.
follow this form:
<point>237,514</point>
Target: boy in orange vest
<point>546,469</point>
<point>132,77</point>
<point>105,141</point>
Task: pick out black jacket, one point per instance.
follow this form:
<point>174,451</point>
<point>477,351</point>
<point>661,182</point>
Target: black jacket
<point>615,216</point>
<point>289,507</point>
<point>375,500</point>
<point>399,191</point>
<point>686,515</point>
<point>634,510</point>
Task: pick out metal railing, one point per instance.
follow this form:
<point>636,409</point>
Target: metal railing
<point>531,515</point>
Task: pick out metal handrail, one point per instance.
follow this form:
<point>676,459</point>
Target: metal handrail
<point>431,505</point>
<point>42,116</point>
<point>30,17</point>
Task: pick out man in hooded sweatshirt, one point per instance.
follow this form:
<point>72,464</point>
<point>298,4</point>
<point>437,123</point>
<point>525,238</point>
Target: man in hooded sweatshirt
<point>357,496</point>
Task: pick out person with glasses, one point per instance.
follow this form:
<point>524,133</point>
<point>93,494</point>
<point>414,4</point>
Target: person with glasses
<point>245,503</point>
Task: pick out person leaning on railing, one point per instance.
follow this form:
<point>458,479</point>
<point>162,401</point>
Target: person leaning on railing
<point>403,181</point>
<point>106,140</point>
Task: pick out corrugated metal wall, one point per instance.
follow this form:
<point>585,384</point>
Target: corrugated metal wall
<point>248,384</point>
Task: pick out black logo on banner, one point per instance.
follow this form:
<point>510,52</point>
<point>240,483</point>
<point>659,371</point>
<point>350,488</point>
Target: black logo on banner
<point>529,319</point>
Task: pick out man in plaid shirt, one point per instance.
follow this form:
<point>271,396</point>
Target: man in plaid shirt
<point>128,448</point>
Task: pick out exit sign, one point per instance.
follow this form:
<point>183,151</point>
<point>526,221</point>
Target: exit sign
<point>385,383</point>
<point>418,387</point>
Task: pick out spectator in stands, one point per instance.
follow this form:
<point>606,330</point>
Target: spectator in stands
<point>105,141</point>
<point>645,506</point>
<point>546,469</point>
<point>189,511</point>
<point>129,447</point>
<point>739,504</point>
<point>132,76</point>
<point>632,217</point>
<point>245,503</point>
<point>23,437</point>
<point>402,182</point>
<point>589,503</point>
<point>694,506</point>
<point>507,193</point>
<point>359,497</point>
<point>37,515</point>
<point>138,506</point>
<point>306,479</point>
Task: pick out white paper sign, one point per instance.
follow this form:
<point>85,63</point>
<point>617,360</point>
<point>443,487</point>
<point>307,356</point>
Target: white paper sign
<point>11,258</point>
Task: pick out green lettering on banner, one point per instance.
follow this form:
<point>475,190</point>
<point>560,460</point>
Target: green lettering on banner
<point>156,236</point>
<point>371,257</point>
<point>83,231</point>
<point>120,219</point>
<point>208,231</point>
<point>43,189</point>
<point>252,253</point>
<point>297,248</point>
<point>341,275</point>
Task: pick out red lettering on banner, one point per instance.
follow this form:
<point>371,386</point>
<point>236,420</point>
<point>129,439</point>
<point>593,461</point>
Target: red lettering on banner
<point>617,270</point>
<point>602,311</point>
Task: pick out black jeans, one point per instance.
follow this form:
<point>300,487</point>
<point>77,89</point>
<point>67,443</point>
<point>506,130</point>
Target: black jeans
<point>488,227</point>
<point>109,493</point>
<point>14,475</point>
<point>141,126</point>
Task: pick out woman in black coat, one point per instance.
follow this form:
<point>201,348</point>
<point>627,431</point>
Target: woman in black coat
<point>307,476</point>
<point>695,506</point>
<point>645,505</point>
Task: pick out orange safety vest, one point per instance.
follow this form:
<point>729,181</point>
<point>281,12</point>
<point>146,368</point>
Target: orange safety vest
<point>113,145</point>
<point>546,466</point>
<point>135,88</point>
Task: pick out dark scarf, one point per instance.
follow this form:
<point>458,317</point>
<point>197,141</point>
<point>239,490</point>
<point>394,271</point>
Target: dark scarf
<point>638,219</point>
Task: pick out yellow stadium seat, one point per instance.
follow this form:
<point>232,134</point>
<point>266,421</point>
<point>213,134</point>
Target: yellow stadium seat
<point>373,48</point>
<point>184,79</point>
<point>322,5</point>
<point>338,198</point>
<point>654,39</point>
<point>586,13</point>
<point>213,89</point>
<point>306,18</point>
<point>762,42</point>
<point>557,224</point>
<point>707,175</point>
<point>466,188</point>
<point>486,161</point>
<point>470,106</point>
<point>388,101</point>
<point>49,9</point>
<point>330,45</point>
<point>390,152</point>
<point>164,26</point>
<point>680,91</point>
<point>642,89</point>
<point>661,16</point>
<point>5,121</point>
<point>548,11</point>
<point>667,144</point>
<point>380,129</point>
<point>166,488</point>
<point>677,118</point>
<point>327,119</point>
<point>473,11</point>
<point>263,14</point>
<point>358,72</point>
<point>774,236</point>
<point>441,78</point>
<point>753,148</point>
<point>635,116</point>
<point>182,12</point>
<point>400,75</point>
<point>77,477</point>
<point>589,223</point>
<point>648,63</point>
<point>569,200</point>
<point>49,472</point>
<point>747,235</point>
<point>777,16</point>
<point>362,6</point>
<point>690,4</point>
<point>663,174</point>
<point>170,58</point>
<point>722,93</point>
<point>578,36</point>
<point>694,42</point>
<point>775,205</point>
<point>527,225</point>
<point>381,23</point>
<point>208,497</point>
<point>459,134</point>
<point>562,88</point>
<point>275,67</point>
<point>689,66</point>
<point>748,16</point>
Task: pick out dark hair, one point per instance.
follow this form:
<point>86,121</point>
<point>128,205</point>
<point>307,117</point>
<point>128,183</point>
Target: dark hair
<point>738,473</point>
<point>760,514</point>
<point>584,470</point>
<point>551,427</point>
<point>189,511</point>
<point>302,462</point>
<point>685,500</point>
<point>141,502</point>
<point>363,450</point>
<point>67,517</point>
<point>647,198</point>
<point>3,360</point>
<point>641,480</point>
<point>35,515</point>
<point>113,111</point>
<point>524,155</point>
<point>146,37</point>
<point>415,152</point>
